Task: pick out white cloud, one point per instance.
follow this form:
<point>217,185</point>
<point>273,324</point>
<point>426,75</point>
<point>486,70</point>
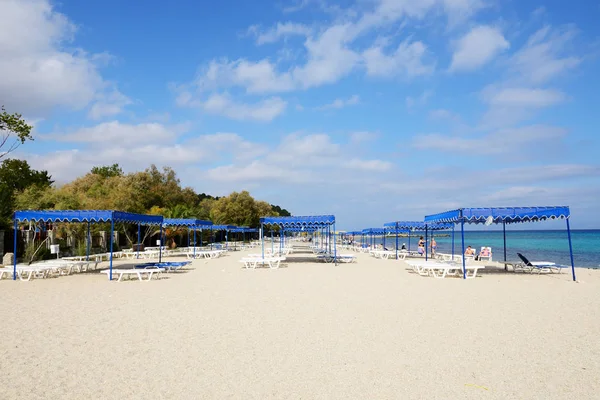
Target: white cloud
<point>279,31</point>
<point>341,103</point>
<point>332,52</point>
<point>477,48</point>
<point>546,55</point>
<point>115,132</point>
<point>361,137</point>
<point>406,60</point>
<point>222,104</point>
<point>421,100</point>
<point>501,143</point>
<point>525,97</point>
<point>39,71</point>
<point>136,146</point>
<point>109,104</point>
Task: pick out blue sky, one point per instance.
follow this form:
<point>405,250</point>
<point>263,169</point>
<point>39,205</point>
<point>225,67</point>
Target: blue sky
<point>373,110</point>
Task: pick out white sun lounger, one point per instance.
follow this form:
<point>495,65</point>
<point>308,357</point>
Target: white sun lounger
<point>253,262</point>
<point>120,273</point>
<point>441,270</point>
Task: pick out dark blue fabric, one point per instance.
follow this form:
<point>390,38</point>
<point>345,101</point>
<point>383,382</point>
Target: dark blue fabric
<point>86,216</point>
<point>223,227</point>
<point>185,222</point>
<point>299,221</point>
<point>416,226</point>
<point>374,231</point>
<point>507,215</point>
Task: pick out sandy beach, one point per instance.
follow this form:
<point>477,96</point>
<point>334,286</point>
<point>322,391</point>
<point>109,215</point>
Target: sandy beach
<point>369,330</point>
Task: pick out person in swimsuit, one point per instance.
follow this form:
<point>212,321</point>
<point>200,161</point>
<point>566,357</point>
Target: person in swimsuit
<point>421,247</point>
<point>469,251</point>
<point>433,246</point>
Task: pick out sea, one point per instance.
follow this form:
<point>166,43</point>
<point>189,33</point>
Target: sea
<point>536,245</point>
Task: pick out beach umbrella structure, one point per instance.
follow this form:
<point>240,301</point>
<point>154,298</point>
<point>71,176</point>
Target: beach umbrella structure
<point>86,216</point>
<point>243,230</point>
<point>372,232</point>
<point>504,216</point>
<point>190,224</point>
<point>226,228</point>
<point>418,226</point>
<point>319,223</point>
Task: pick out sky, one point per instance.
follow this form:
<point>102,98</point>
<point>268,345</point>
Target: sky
<point>371,110</point>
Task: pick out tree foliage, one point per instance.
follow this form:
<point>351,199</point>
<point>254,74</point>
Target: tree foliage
<point>108,171</point>
<point>15,177</point>
<point>152,191</point>
<point>14,132</point>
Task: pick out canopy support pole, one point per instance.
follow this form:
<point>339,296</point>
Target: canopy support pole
<point>409,241</point>
<point>16,226</point>
<point>452,242</point>
<point>425,242</point>
<point>139,239</point>
<point>384,239</point>
<point>160,245</point>
<point>87,254</point>
<point>194,242</point>
<point>211,237</point>
<point>504,237</point>
<point>272,245</point>
<point>334,247</point>
<point>396,240</point>
<point>571,250</point>
<point>112,234</point>
<point>462,235</point>
<point>262,239</point>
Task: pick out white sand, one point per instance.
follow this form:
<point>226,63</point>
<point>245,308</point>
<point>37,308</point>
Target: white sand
<point>370,330</point>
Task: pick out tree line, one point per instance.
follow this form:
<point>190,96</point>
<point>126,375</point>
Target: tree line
<point>152,191</point>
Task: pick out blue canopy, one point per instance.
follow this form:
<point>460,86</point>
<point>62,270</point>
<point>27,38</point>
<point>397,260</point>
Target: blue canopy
<point>301,229</point>
<point>417,225</point>
<point>86,216</point>
<point>374,231</point>
<point>186,222</point>
<point>504,215</point>
<point>299,221</point>
<point>243,229</point>
<point>500,215</point>
<point>223,227</point>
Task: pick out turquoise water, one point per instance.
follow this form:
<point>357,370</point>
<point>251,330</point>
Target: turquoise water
<point>535,245</point>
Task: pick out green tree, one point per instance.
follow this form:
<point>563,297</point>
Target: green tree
<point>14,132</point>
<point>240,209</point>
<point>281,211</point>
<point>108,171</point>
<point>16,176</point>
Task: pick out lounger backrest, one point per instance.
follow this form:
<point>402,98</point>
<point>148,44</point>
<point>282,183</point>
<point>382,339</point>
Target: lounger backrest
<point>524,259</point>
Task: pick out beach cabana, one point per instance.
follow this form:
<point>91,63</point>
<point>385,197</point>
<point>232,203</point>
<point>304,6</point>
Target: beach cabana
<point>372,232</point>
<point>83,216</point>
<point>226,228</point>
<point>419,226</point>
<point>322,223</point>
<point>188,223</point>
<point>503,215</point>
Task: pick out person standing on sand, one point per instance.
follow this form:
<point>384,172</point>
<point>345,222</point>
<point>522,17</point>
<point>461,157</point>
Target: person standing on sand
<point>433,246</point>
<point>421,248</point>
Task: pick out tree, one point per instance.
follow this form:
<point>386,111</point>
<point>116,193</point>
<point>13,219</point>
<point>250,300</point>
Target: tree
<point>16,176</point>
<point>281,211</point>
<point>240,209</point>
<point>108,171</point>
<point>14,131</point>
